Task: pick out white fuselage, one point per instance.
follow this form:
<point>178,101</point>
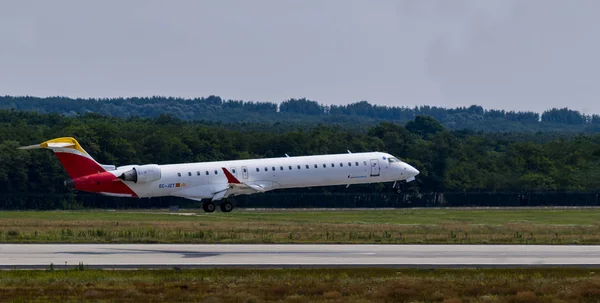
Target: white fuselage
<point>202,180</point>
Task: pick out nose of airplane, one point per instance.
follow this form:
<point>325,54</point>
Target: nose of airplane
<point>411,170</point>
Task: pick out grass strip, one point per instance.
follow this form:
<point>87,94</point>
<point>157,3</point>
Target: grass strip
<point>302,285</point>
<point>420,226</point>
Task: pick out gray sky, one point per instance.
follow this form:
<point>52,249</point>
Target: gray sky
<point>510,54</point>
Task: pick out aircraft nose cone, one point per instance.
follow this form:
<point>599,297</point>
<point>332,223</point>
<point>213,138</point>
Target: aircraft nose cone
<point>412,171</point>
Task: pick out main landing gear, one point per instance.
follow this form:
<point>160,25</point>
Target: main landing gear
<point>210,207</point>
<point>226,206</point>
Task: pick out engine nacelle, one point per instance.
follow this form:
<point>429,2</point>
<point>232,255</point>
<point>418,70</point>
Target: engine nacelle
<point>142,174</point>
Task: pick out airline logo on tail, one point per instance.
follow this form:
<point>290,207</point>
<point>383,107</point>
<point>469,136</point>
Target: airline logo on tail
<point>86,174</point>
<point>76,161</point>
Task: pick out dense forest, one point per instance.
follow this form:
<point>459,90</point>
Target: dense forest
<point>302,112</point>
<point>454,162</point>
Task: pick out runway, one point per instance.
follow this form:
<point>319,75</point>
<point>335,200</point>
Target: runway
<point>113,256</point>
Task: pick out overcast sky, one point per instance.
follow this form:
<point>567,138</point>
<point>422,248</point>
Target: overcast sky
<point>510,54</point>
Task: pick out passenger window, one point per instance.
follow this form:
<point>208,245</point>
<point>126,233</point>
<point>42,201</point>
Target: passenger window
<point>332,165</point>
<point>365,163</point>
<point>341,164</point>
<point>306,166</point>
<point>281,168</point>
<point>198,173</point>
<point>233,170</point>
<point>266,169</point>
<point>316,166</point>
<point>273,168</point>
<point>349,163</point>
<point>257,169</point>
<point>245,170</point>
<point>356,163</point>
<point>324,166</point>
<point>189,174</point>
<point>207,172</point>
<point>216,173</point>
<point>298,166</point>
<point>178,174</point>
<point>290,167</point>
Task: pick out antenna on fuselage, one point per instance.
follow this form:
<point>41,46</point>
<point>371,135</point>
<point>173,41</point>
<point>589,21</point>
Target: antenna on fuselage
<point>349,152</point>
<point>287,155</point>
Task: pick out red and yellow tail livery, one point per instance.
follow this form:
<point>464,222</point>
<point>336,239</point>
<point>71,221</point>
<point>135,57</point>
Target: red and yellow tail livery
<point>86,174</point>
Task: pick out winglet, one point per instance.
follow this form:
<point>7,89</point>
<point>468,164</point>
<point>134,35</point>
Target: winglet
<point>230,177</point>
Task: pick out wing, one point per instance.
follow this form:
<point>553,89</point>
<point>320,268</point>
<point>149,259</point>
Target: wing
<point>235,187</point>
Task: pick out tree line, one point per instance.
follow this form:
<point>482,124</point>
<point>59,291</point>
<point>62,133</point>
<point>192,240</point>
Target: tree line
<point>307,112</point>
<point>450,161</point>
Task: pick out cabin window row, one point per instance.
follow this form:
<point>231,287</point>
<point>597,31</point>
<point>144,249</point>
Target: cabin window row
<point>198,173</point>
<point>290,167</point>
<point>216,172</point>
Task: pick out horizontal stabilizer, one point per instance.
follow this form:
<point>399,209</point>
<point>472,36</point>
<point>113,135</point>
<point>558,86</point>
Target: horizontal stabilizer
<point>49,145</point>
<point>30,146</point>
<point>65,142</point>
<point>60,145</point>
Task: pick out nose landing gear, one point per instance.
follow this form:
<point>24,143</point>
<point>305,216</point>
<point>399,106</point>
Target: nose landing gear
<point>397,187</point>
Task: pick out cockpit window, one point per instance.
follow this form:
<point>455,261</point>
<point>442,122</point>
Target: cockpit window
<point>392,159</point>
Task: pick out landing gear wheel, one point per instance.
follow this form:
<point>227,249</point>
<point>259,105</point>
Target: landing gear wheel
<point>208,207</point>
<point>397,187</point>
<point>226,206</point>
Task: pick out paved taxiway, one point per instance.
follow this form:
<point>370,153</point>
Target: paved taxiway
<point>291,255</point>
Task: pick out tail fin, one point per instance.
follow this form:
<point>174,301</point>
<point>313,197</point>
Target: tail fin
<point>76,161</point>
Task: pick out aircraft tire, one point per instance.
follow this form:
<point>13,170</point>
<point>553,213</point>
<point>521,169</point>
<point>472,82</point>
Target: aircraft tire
<point>226,206</point>
<point>208,207</point>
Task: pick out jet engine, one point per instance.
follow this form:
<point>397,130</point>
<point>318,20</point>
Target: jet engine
<point>142,174</point>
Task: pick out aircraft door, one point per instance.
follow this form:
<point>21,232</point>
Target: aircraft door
<point>375,167</point>
<point>244,172</point>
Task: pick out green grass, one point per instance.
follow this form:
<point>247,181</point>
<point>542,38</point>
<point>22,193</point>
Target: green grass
<point>303,285</point>
<point>531,226</point>
<point>432,216</point>
<point>404,216</point>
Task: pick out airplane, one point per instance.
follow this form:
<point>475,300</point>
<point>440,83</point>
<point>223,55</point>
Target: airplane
<point>217,181</point>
